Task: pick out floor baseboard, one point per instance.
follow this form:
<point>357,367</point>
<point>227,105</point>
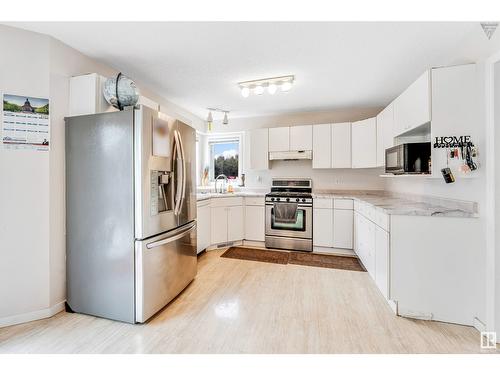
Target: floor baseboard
<point>32,315</point>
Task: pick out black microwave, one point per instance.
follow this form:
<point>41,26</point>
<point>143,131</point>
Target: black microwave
<point>408,158</point>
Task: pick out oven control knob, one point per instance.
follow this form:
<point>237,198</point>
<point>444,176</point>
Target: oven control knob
<point>272,199</point>
<point>303,199</point>
<point>288,199</point>
<point>278,199</point>
<point>298,199</point>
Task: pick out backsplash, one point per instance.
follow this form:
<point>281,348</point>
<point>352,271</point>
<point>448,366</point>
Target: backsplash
<point>343,179</point>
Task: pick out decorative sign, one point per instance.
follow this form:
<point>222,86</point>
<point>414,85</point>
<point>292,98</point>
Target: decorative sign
<point>25,122</point>
<point>452,141</point>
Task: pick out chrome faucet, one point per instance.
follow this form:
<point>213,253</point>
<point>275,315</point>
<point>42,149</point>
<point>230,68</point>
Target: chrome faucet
<point>225,185</point>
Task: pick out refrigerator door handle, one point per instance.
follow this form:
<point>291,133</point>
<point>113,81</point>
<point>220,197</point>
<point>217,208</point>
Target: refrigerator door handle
<point>180,174</point>
<point>183,158</point>
<point>173,238</point>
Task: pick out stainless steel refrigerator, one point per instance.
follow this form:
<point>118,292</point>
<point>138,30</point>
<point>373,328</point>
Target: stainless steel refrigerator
<point>130,212</point>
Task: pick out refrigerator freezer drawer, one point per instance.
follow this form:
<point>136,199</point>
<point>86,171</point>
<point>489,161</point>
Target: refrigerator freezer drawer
<point>165,265</point>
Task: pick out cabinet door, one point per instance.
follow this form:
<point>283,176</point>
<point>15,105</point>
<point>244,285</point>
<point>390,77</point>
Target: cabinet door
<point>322,146</point>
<point>385,121</point>
<point>235,223</point>
<point>341,145</point>
<point>370,248</point>
<point>218,223</point>
<point>382,260</point>
<point>203,228</point>
<point>364,143</point>
<point>322,227</point>
<point>343,223</point>
<point>255,223</point>
<point>259,149</point>
<point>301,138</point>
<point>279,139</point>
<point>413,107</point>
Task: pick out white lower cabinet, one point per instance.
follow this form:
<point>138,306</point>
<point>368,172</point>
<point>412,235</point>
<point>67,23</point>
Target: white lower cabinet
<point>372,245</point>
<point>218,223</point>
<point>255,223</point>
<point>323,227</point>
<point>343,222</point>
<point>203,228</point>
<point>382,260</point>
<point>235,223</point>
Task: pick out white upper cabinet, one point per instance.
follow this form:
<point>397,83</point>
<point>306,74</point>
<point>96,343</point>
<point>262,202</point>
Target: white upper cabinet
<point>341,145</point>
<point>301,138</point>
<point>385,131</point>
<point>322,146</point>
<point>364,143</point>
<point>259,149</point>
<point>279,139</point>
<point>413,107</point>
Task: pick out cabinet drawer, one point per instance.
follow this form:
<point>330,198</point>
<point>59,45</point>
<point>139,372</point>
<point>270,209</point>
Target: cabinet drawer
<point>343,204</point>
<point>323,203</point>
<point>226,202</point>
<point>254,201</point>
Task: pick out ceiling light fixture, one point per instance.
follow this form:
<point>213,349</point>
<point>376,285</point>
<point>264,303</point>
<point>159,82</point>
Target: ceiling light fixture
<point>210,118</point>
<point>258,86</point>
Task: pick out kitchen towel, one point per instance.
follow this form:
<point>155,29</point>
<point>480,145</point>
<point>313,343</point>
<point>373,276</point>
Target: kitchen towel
<point>285,212</point>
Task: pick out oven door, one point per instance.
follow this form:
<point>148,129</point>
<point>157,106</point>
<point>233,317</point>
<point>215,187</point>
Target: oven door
<point>302,228</point>
<point>394,159</point>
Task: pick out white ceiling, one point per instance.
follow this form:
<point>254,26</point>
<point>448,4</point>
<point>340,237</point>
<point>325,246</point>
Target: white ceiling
<point>337,65</point>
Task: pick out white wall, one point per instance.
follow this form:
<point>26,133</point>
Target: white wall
<point>24,184</point>
<point>322,178</point>
<point>32,214</point>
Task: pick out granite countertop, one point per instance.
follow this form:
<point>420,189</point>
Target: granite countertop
<point>394,204</point>
<point>387,202</point>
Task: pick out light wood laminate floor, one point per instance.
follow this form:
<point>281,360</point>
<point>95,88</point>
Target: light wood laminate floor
<point>236,306</point>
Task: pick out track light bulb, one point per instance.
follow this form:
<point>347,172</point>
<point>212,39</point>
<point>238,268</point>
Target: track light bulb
<point>225,121</point>
<point>286,86</point>
<point>245,91</point>
<point>258,90</point>
<point>271,89</point>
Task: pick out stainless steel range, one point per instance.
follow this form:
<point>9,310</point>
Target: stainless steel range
<point>289,214</point>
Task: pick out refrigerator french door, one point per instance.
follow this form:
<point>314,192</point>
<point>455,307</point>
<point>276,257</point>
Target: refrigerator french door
<point>129,185</point>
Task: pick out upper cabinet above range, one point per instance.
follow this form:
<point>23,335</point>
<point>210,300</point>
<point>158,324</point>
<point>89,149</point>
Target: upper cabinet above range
<point>279,139</point>
<point>295,138</point>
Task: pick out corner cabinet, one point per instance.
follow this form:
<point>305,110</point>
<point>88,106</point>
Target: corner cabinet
<point>413,107</point>
<point>364,143</point>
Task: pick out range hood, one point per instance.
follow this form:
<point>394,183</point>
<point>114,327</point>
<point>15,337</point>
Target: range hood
<point>290,155</point>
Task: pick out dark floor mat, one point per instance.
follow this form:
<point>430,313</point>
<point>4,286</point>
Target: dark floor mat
<point>326,261</point>
<point>299,258</point>
<point>245,253</point>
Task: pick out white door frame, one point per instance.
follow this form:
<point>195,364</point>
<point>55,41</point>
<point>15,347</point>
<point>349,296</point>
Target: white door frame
<point>492,255</point>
